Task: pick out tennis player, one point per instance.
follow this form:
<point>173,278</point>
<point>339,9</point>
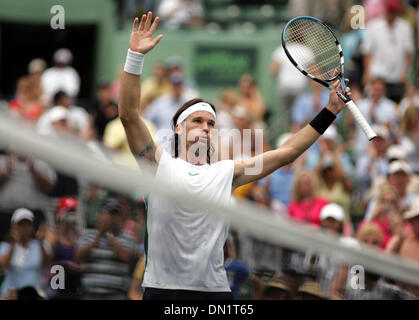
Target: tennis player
<point>184,246</point>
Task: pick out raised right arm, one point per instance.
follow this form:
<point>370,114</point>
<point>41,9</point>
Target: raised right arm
<point>139,138</point>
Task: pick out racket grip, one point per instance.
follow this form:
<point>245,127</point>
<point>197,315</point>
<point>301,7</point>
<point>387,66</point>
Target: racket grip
<point>361,120</point>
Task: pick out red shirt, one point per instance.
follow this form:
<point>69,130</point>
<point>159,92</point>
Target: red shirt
<point>307,210</point>
<point>32,113</point>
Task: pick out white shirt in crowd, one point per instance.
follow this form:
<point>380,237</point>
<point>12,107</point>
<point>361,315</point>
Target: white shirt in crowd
<point>55,79</point>
<point>77,119</point>
<point>388,47</point>
<point>174,13</point>
<point>289,79</point>
<point>185,245</point>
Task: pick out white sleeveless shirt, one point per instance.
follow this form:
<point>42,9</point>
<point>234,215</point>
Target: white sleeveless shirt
<point>185,245</point>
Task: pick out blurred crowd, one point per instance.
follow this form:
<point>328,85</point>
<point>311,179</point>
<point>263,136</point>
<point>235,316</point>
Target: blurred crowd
<point>365,192</point>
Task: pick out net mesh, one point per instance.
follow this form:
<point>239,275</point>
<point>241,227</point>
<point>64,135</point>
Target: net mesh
<point>313,48</point>
<point>286,260</point>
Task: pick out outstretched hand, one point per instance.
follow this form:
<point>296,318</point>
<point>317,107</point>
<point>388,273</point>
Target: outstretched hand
<point>142,36</point>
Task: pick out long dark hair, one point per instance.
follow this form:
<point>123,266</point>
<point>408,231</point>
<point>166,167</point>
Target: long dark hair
<point>185,106</point>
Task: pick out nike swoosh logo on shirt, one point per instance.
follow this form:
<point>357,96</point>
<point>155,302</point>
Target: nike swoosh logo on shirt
<point>193,174</point>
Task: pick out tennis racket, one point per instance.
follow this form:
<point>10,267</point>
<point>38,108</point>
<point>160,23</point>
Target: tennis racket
<point>314,50</point>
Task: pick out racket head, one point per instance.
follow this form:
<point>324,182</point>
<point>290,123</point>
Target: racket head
<point>313,49</point>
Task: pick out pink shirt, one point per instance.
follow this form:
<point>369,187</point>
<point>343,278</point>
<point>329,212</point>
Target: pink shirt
<point>307,210</point>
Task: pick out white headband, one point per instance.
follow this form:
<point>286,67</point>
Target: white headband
<point>200,106</point>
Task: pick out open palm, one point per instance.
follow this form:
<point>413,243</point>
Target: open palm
<point>142,37</point>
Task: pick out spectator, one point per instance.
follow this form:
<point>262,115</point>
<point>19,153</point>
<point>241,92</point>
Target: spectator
<point>279,183</point>
<point>77,118</point>
<point>310,290</point>
<point>175,64</point>
<point>136,291</point>
<point>306,204</point>
<point>26,103</point>
<point>63,240</point>
<point>238,273</point>
<point>24,182</point>
<point>251,98</point>
<point>410,136</point>
<point>290,83</point>
<point>406,244</point>
<point>411,98</point>
<point>35,70</point>
<point>276,289</point>
<point>377,109</point>
<point>104,109</point>
<point>399,175</point>
<point>387,214</point>
<point>105,254</point>
<point>155,86</point>
<point>375,288</point>
<point>23,257</point>
<point>228,99</point>
<point>62,76</point>
<point>181,13</point>
<point>162,109</point>
<point>307,105</point>
<point>389,57</point>
<point>332,216</point>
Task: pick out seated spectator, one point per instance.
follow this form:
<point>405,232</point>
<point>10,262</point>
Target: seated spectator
<point>406,244</point>
<point>23,257</point>
<point>238,273</point>
<point>373,163</point>
<point>155,86</point>
<point>103,109</point>
<point>330,142</point>
<point>335,186</point>
<point>409,139</point>
<point>228,99</point>
<point>399,175</point>
<point>332,217</point>
<point>26,103</point>
<point>251,98</point>
<point>162,109</point>
<point>375,288</point>
<point>36,68</point>
<point>62,76</point>
<point>24,182</point>
<point>387,214</point>
<point>77,118</point>
<point>306,204</point>
<point>279,183</point>
<point>377,109</point>
<point>63,239</point>
<point>176,64</point>
<point>181,13</point>
<point>105,254</point>
<point>136,291</point>
<point>307,105</point>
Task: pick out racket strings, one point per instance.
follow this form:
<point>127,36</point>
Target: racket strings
<point>313,48</point>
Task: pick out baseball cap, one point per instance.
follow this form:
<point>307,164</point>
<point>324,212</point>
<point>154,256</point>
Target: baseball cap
<point>58,113</point>
<point>332,210</point>
<point>381,131</point>
<point>399,165</point>
<point>63,56</point>
<point>393,5</point>
<point>414,209</point>
<point>22,214</point>
<point>396,151</point>
<point>67,203</point>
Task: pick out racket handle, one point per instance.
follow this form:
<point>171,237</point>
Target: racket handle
<point>361,120</point>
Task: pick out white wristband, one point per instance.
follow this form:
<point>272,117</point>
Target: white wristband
<point>134,62</point>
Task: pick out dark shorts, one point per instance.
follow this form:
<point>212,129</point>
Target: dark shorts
<point>168,294</point>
